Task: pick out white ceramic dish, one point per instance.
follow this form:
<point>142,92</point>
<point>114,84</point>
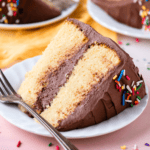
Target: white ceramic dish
<point>107,21</point>
<point>12,114</point>
<point>63,15</point>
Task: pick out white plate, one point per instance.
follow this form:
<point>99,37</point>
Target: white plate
<point>107,21</point>
<point>63,15</point>
<point>12,114</point>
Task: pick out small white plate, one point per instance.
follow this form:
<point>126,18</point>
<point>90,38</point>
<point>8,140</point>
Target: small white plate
<point>12,114</point>
<point>107,21</point>
<point>63,15</point>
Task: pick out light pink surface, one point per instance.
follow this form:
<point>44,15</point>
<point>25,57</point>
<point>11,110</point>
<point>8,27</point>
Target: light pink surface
<point>137,132</point>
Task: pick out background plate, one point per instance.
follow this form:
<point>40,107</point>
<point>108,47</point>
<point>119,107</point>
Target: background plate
<point>107,21</point>
<point>63,15</point>
<point>12,114</point>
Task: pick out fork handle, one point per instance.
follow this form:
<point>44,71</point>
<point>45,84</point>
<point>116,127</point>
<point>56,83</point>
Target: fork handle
<point>66,144</point>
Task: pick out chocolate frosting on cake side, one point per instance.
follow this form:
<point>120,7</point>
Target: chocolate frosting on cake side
<point>29,11</point>
<point>124,11</point>
<point>104,100</point>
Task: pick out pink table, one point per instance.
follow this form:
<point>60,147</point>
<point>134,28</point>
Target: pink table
<point>137,132</point>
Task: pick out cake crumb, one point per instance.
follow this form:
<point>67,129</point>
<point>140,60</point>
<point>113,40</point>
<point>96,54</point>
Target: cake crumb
<point>123,147</point>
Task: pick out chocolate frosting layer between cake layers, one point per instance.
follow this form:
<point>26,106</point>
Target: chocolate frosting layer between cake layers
<point>124,11</point>
<point>104,100</point>
<point>56,79</point>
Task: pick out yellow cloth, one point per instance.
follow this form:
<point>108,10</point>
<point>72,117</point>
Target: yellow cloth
<point>22,44</point>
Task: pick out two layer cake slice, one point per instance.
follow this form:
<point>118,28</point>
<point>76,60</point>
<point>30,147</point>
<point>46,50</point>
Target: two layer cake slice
<point>81,79</point>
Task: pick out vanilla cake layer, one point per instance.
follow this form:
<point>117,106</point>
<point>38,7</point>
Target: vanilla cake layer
<point>73,84</point>
<point>91,68</point>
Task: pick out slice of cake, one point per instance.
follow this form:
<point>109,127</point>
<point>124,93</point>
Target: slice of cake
<point>26,11</point>
<point>81,79</point>
<point>135,13</point>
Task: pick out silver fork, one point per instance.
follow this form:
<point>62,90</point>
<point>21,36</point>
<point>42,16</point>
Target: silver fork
<point>9,95</point>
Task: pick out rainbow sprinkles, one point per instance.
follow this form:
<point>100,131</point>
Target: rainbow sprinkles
<point>127,90</point>
<point>145,15</point>
<point>11,7</point>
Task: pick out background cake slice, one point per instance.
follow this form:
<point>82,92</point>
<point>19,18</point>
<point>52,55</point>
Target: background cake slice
<point>134,13</point>
<point>82,79</point>
<point>26,11</point>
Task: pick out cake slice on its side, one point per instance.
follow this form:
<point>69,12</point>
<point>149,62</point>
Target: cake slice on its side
<point>81,79</point>
<point>26,11</point>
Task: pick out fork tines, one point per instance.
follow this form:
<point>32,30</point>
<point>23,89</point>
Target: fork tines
<point>2,93</point>
<point>5,87</point>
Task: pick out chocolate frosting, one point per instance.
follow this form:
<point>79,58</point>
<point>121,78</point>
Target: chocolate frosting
<point>104,100</point>
<point>124,11</point>
<point>29,11</point>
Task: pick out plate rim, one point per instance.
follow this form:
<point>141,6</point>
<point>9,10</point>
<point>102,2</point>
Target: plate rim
<point>70,137</point>
<point>28,26</point>
<point>136,35</point>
